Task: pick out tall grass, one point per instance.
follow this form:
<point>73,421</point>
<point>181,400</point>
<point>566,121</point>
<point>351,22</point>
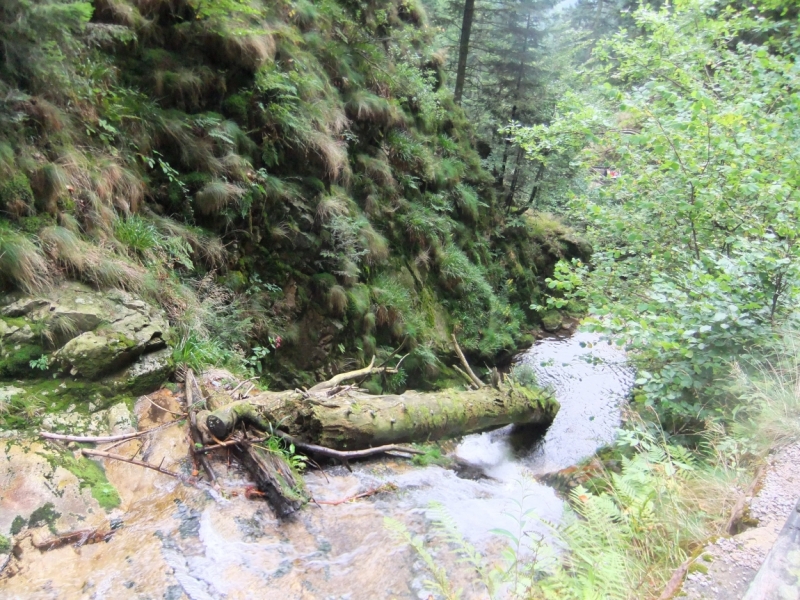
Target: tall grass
<point>22,262</point>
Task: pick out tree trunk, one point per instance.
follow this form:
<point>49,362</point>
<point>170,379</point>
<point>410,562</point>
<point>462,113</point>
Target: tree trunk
<point>353,420</point>
<point>273,476</point>
<point>463,49</point>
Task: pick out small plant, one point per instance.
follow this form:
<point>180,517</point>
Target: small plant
<point>524,375</point>
<point>255,362</point>
<point>41,363</point>
<point>278,446</point>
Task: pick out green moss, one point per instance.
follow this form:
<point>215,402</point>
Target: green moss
<point>433,456</point>
<point>697,567</point>
<point>358,300</point>
<point>15,190</point>
<point>235,106</point>
<point>91,475</point>
<point>552,320</point>
<point>5,545</point>
<point>53,396</point>
<point>17,362</point>
<point>17,525</point>
<point>44,515</point>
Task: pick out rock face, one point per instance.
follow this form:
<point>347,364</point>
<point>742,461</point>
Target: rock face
<point>76,347</point>
<point>86,334</point>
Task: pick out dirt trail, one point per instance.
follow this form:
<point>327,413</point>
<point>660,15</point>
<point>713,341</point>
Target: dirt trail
<point>727,567</point>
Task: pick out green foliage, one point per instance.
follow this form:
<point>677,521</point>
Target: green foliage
<point>698,257</point>
<point>524,375</point>
<point>287,451</point>
<point>42,363</point>
<point>338,150</point>
<point>198,353</point>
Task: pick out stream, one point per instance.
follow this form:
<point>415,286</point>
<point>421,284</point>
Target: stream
<point>175,542</point>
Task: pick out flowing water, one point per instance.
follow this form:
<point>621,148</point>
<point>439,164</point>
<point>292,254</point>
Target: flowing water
<point>176,542</point>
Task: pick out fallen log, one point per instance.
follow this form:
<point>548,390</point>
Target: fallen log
<point>274,477</point>
<point>353,420</point>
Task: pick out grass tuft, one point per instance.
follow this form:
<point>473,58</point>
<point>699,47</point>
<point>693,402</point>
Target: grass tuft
<point>22,262</point>
<point>216,196</point>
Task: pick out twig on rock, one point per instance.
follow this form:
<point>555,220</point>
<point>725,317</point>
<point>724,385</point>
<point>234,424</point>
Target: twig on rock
<point>104,439</point>
<point>78,538</point>
<point>172,412</point>
<point>386,487</point>
<point>133,461</point>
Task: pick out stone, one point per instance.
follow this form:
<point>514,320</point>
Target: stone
<point>23,306</point>
<point>552,320</point>
<point>146,374</point>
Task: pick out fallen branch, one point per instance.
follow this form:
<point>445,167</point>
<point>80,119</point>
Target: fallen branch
<point>370,369</point>
<point>229,443</point>
<point>79,538</point>
<point>465,364</point>
<point>467,377</point>
<point>675,582</point>
<point>194,432</point>
<point>345,455</point>
<point>321,450</point>
<point>241,383</point>
<point>103,439</point>
<point>133,461</point>
<point>172,412</point>
<point>738,508</point>
<point>386,487</point>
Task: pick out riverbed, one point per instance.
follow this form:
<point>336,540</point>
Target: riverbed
<point>173,541</point>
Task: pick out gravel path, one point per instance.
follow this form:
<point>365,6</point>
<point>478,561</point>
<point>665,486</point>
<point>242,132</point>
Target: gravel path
<point>726,568</point>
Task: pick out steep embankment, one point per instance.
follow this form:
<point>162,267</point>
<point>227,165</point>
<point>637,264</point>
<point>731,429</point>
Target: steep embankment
<point>273,174</point>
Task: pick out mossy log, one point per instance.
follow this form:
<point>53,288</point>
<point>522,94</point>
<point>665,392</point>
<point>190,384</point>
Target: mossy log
<point>352,420</point>
<point>273,476</point>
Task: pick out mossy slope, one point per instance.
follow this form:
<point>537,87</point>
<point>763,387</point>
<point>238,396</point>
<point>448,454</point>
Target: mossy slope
<point>314,139</point>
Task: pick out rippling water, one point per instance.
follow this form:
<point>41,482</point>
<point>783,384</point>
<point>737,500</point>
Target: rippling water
<point>176,543</point>
<point>590,379</point>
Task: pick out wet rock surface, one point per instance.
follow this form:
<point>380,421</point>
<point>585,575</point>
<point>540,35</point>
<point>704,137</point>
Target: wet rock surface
<point>174,541</point>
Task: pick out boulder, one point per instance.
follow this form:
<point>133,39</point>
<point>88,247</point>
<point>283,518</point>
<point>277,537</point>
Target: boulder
<point>552,320</point>
<point>87,333</point>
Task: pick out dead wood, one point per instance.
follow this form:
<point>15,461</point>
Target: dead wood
<point>386,487</point>
<point>675,582</point>
<point>77,538</point>
<point>274,477</point>
<point>467,377</point>
<point>194,433</point>
<point>133,461</point>
<point>737,512</point>
<point>370,369</point>
<point>104,439</point>
<point>478,383</point>
<point>354,421</point>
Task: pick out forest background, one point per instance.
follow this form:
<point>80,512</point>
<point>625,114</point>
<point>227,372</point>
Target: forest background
<point>302,185</point>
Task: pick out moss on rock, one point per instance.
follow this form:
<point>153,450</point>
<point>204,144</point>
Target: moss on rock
<point>552,320</point>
